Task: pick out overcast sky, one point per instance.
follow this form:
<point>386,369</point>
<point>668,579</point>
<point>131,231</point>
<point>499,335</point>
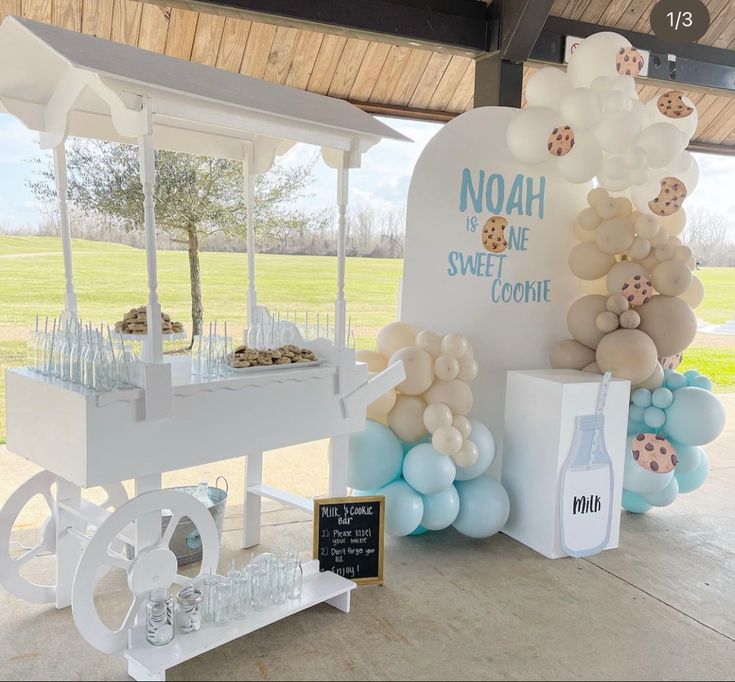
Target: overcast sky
<point>382,182</point>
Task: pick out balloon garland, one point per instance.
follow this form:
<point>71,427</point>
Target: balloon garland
<point>420,449</point>
<point>637,317</point>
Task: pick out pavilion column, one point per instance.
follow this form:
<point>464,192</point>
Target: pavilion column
<point>342,198</point>
<point>62,190</point>
<point>249,191</point>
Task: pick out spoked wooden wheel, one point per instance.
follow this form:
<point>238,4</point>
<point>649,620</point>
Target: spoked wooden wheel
<point>155,566</point>
<point>42,484</point>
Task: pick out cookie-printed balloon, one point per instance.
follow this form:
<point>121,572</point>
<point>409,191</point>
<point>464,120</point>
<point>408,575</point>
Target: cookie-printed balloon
<point>670,197</point>
<point>654,452</point>
<point>672,105</point>
<point>596,58</point>
<point>638,290</point>
<point>671,361</point>
<point>561,141</point>
<point>493,234</point>
<point>629,62</point>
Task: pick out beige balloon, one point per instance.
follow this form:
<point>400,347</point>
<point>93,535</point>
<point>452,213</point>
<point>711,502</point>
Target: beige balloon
<point>606,208</point>
<point>594,286</point>
<point>395,336</point>
<point>694,295</point>
<point>583,235</point>
<point>406,419</point>
<point>468,368</point>
<point>455,394</point>
<point>646,226</point>
<point>447,440</point>
<point>596,195</point>
<point>437,415</point>
<point>570,354</point>
<point>446,367</point>
<point>607,322</point>
<point>379,409</point>
<point>670,323</point>
<point>592,368</point>
<point>659,239</point>
<point>672,278</point>
<point>614,236</point>
<point>581,318</point>
<point>419,368</point>
<point>586,261</point>
<point>467,455</point>
<point>654,381</point>
<point>462,424</point>
<point>630,319</point>
<point>683,253</point>
<point>622,272</point>
<point>625,206</point>
<point>588,219</point>
<point>663,252</point>
<point>628,354</point>
<point>674,224</point>
<point>648,264</point>
<point>639,249</point>
<point>454,344</point>
<point>429,341</point>
<point>375,361</point>
<point>617,303</point>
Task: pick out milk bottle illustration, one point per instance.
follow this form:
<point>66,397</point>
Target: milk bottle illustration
<point>587,485</point>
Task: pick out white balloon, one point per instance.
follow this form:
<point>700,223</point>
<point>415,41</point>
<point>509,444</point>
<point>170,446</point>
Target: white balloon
<point>626,85</point>
<point>583,162</point>
<point>614,167</point>
<point>546,86</point>
<point>614,102</point>
<point>437,415</point>
<point>468,454</point>
<point>684,122</point>
<point>646,226</point>
<point>616,132</point>
<point>528,133</point>
<point>639,249</point>
<point>455,345</point>
<point>638,176</point>
<point>468,368</point>
<point>447,440</point>
<point>673,224</point>
<point>686,169</point>
<point>429,341</point>
<point>463,425</point>
<point>446,367</point>
<point>581,108</point>
<point>601,85</point>
<point>595,57</point>
<point>615,184</point>
<point>635,158</point>
<point>662,142</point>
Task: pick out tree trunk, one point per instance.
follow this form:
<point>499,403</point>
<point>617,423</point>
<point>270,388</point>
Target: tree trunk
<point>197,308</point>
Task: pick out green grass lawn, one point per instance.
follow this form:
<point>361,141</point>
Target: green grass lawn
<point>111,278</point>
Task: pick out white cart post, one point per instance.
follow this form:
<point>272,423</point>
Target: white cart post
<point>62,190</point>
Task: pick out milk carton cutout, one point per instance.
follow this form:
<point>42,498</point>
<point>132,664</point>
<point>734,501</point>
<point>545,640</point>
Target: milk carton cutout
<point>587,485</point>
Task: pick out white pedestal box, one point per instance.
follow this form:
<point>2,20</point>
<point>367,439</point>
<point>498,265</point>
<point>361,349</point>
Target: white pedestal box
<point>541,411</point>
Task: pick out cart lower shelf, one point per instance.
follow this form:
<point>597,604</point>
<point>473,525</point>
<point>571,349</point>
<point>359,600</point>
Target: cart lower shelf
<point>146,662</point>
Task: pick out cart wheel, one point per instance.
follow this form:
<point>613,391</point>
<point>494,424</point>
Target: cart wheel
<point>155,566</point>
<point>42,484</point>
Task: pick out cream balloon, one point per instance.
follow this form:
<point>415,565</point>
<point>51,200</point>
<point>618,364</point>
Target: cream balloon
<point>581,108</point>
<point>659,239</point>
<point>630,319</point>
<point>586,261</point>
<point>378,409</point>
<point>455,394</point>
<point>583,235</point>
<point>596,195</point>
<point>437,415</point>
<point>694,295</point>
<point>654,381</point>
<point>625,206</point>
<point>419,368</point>
<point>468,454</point>
<point>455,345</point>
<point>446,367</point>
<point>406,419</point>
<point>674,224</point>
<point>672,277</point>
<point>581,319</point>
<point>594,58</point>
<point>589,219</point>
<point>429,341</point>
<point>447,440</point>
<point>670,323</point>
<point>628,354</point>
<point>395,336</point>
<point>546,86</point>
<point>648,263</point>
<point>683,253</point>
<point>646,226</point>
<point>664,252</point>
<point>468,368</point>
<point>528,133</point>
<point>374,361</point>
<point>592,368</point>
<point>639,249</point>
<point>606,208</point>
<point>617,303</point>
<point>570,354</point>
<point>462,424</point>
<point>614,236</point>
<point>621,272</point>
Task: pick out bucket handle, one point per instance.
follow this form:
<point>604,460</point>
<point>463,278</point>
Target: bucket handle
<point>227,485</point>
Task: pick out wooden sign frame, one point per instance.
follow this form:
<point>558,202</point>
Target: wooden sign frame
<point>318,503</point>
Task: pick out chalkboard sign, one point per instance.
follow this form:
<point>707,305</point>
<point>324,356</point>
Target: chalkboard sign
<point>348,537</point>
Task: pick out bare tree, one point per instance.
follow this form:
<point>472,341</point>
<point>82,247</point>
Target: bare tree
<point>708,235</point>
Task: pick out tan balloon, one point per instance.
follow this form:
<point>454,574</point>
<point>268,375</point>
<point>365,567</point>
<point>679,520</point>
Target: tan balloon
<point>659,239</point>
<point>639,249</point>
<point>674,224</point>
<point>570,354</point>
<point>594,286</point>
<point>606,208</point>
<point>625,206</point>
<point>406,419</point>
<point>419,368</point>
<point>467,455</point>
<point>592,368</point>
<point>614,236</point>
<point>395,336</point>
<point>694,295</point>
<point>607,322</point>
<point>672,278</point>
<point>447,440</point>
<point>670,323</point>
<point>683,253</point>
<point>648,264</point>
<point>462,424</point>
<point>664,252</point>
<point>646,226</point>
<point>596,195</point>
<point>653,382</point>
<point>455,394</point>
<point>437,415</point>
<point>617,303</point>
<point>588,219</point>
<point>581,319</point>
<point>586,261</point>
<point>628,354</point>
<point>375,361</point>
<point>630,319</point>
<point>429,341</point>
<point>468,368</point>
<point>379,409</point>
<point>446,367</point>
<point>621,272</point>
<point>582,234</point>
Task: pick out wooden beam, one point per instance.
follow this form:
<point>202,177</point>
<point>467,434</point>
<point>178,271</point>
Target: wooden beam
<point>404,112</point>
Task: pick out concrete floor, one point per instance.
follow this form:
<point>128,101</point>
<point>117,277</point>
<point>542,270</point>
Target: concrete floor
<point>660,607</point>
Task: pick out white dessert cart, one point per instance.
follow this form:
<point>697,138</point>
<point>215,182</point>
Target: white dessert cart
<point>62,83</point>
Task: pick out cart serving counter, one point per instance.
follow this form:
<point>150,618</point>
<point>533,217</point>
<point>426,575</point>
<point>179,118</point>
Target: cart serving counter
<point>62,83</point>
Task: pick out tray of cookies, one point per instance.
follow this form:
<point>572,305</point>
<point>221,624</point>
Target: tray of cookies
<point>245,359</point>
<point>135,323</point>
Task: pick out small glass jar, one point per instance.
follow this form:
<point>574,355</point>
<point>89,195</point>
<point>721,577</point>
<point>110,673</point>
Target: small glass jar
<point>222,602</point>
<point>159,617</point>
<point>295,580</point>
<point>189,610</point>
<point>210,582</point>
<point>260,590</point>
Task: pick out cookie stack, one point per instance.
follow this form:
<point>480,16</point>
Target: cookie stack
<point>244,357</point>
<point>135,321</point>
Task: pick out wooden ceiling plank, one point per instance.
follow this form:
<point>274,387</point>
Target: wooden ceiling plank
<point>558,9</point>
<point>10,8</point>
<point>464,93</point>
<point>154,25</point>
<point>367,76</point>
<point>578,9</point>
<point>643,24</point>
<point>181,33</point>
<point>448,84</point>
<point>208,38</point>
<point>232,46</point>
<point>281,54</point>
<point>390,74</point>
<point>430,80</point>
<point>304,57</point>
<point>719,128</point>
<point>348,68</point>
<point>38,10</point>
<point>97,18</point>
<point>632,14</point>
<point>126,15</point>
<point>258,49</point>
<point>720,17</point>
<point>612,12</point>
<point>711,120</point>
<point>326,62</point>
<point>593,12</point>
<point>67,14</point>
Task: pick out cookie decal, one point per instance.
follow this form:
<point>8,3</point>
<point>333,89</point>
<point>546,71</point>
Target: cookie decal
<point>673,192</point>
<point>671,105</point>
<point>638,290</point>
<point>493,234</point>
<point>561,141</point>
<point>628,61</point>
<point>654,452</point>
<point>671,361</point>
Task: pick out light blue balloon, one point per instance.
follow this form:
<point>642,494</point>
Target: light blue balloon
<point>374,457</point>
<point>636,427</point>
<point>641,397</point>
<point>701,382</point>
<point>695,417</point>
<point>662,397</point>
<point>403,508</point>
<point>674,380</point>
<point>481,436</point>
<point>484,507</point>
<point>440,509</point>
<point>692,374</point>
<point>640,480</point>
<point>665,497</point>
<point>410,446</point>
<point>635,412</point>
<point>634,503</point>
<point>654,417</point>
<point>427,470</point>
<point>419,531</point>
<point>694,479</point>
<point>688,457</point>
